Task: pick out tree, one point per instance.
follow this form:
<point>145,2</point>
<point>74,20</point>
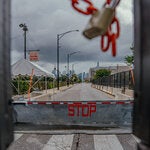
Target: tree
<point>101,73</point>
<point>129,59</point>
<point>63,78</point>
<point>74,78</point>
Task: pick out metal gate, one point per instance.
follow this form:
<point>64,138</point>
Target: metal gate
<point>6,127</point>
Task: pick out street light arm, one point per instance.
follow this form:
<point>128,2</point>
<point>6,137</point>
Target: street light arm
<point>62,34</point>
<point>74,53</point>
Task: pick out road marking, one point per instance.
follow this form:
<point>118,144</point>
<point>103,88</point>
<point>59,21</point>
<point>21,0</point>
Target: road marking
<point>17,136</point>
<point>57,142</point>
<point>127,141</point>
<point>136,139</point>
<point>30,142</point>
<point>107,142</point>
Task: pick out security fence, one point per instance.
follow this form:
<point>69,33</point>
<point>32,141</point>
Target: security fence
<point>121,80</point>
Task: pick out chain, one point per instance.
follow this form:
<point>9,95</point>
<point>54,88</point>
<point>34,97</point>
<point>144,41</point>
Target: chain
<point>90,9</point>
<point>109,36</point>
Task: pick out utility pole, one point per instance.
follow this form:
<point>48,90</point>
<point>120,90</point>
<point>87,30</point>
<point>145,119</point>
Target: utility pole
<point>25,29</point>
<point>57,61</point>
<point>68,70</point>
<point>59,36</point>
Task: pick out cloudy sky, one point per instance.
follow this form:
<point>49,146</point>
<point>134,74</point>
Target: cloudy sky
<point>47,18</point>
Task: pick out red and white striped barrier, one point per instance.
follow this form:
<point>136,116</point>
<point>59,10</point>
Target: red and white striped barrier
<point>66,103</point>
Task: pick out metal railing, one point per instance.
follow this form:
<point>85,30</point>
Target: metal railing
<point>124,80</point>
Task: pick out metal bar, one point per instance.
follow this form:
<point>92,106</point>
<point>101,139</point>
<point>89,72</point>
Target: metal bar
<point>117,81</point>
<point>114,3</point>
<point>120,80</point>
<point>6,123</point>
<point>18,85</point>
<point>114,80</point>
<point>57,61</point>
<point>130,80</point>
<point>46,83</point>
<point>25,42</point>
<point>124,82</point>
<point>141,113</point>
<point>68,70</point>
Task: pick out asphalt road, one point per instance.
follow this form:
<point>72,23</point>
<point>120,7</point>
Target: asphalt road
<point>81,92</point>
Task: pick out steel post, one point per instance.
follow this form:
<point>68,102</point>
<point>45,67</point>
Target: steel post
<point>6,110</point>
<point>141,113</point>
<point>68,69</point>
<point>57,61</point>
<point>25,42</point>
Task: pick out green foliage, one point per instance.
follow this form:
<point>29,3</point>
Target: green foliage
<point>74,78</point>
<point>129,59</point>
<point>51,85</point>
<point>23,83</point>
<point>50,79</point>
<point>101,73</point>
<point>23,86</point>
<point>63,78</point>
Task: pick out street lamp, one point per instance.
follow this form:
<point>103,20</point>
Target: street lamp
<point>68,59</point>
<point>59,36</point>
<point>25,29</point>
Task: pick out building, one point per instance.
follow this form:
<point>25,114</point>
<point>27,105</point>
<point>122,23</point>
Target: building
<point>83,76</point>
<point>113,69</point>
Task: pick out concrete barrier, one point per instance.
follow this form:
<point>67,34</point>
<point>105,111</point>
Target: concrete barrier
<point>98,113</point>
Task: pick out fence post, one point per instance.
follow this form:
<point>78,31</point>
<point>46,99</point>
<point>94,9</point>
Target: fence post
<point>124,81</point>
<point>113,80</point>
<point>120,80</point>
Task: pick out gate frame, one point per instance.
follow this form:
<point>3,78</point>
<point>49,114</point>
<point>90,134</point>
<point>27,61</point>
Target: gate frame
<point>6,121</point>
<point>141,119</point>
<point>142,74</point>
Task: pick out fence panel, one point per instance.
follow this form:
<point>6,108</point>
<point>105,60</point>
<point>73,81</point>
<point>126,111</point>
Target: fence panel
<point>122,80</point>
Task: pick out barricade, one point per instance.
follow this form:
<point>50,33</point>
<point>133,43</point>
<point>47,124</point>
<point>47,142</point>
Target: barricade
<point>93,113</point>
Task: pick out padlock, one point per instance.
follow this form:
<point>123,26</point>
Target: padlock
<point>99,22</point>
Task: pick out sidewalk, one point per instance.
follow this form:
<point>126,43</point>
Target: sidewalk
<point>117,93</point>
<point>42,95</point>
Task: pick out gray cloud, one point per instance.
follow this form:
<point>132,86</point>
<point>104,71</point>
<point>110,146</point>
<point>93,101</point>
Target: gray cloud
<point>47,18</point>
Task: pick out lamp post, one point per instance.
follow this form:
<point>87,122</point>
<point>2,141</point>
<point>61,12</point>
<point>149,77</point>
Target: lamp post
<point>25,29</point>
<point>59,36</point>
<point>68,60</point>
